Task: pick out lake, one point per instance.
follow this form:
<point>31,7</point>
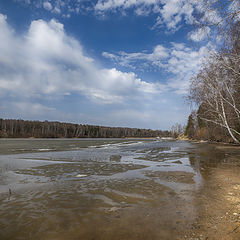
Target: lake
<point>105,188</point>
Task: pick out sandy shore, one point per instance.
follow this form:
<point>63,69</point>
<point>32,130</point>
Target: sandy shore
<point>219,200</point>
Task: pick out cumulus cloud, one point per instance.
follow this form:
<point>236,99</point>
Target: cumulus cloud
<point>46,61</point>
<point>179,61</point>
<point>47,6</point>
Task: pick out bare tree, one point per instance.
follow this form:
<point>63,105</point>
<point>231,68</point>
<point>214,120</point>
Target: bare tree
<point>216,17</point>
<point>216,88</point>
<point>177,129</point>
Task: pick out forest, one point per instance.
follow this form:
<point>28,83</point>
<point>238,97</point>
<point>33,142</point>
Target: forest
<point>215,89</point>
<point>11,128</point>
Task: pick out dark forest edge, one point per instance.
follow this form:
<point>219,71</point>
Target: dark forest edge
<point>12,128</point>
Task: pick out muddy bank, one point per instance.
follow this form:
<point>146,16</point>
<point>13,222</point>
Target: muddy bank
<point>218,201</point>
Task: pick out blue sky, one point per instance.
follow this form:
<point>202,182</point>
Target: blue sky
<point>105,62</point>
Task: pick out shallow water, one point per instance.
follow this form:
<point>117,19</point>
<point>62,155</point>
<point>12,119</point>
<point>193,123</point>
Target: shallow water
<point>101,189</point>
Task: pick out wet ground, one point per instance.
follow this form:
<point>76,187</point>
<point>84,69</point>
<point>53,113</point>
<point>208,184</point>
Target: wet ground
<point>118,189</point>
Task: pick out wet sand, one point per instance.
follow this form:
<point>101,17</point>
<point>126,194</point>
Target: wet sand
<point>121,190</point>
<point>219,199</point>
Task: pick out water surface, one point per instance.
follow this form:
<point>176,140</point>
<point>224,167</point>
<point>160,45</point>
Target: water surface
<point>100,189</point>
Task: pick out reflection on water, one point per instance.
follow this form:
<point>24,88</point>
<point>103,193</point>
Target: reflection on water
<point>100,189</point>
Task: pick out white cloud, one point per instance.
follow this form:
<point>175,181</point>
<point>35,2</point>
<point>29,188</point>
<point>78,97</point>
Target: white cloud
<point>199,35</point>
<point>211,17</point>
<point>56,10</point>
<point>46,61</point>
<point>64,7</point>
<point>179,61</point>
<point>171,11</point>
<point>183,63</point>
<point>47,6</point>
<point>35,109</point>
<point>125,59</point>
<point>25,1</point>
<point>234,8</point>
<point>106,5</point>
<point>21,109</point>
<point>167,112</point>
<point>170,14</point>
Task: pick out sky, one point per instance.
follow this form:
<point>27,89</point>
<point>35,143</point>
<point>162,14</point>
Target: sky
<point>125,63</point>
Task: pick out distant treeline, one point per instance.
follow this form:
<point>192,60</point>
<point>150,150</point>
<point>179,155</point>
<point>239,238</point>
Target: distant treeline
<point>11,128</point>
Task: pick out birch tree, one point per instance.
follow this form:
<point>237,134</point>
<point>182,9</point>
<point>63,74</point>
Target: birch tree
<point>217,89</point>
<point>216,17</point>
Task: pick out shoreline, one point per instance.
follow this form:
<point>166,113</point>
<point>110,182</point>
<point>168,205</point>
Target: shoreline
<point>185,138</point>
<point>219,217</point>
<point>201,202</point>
<point>219,200</point>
